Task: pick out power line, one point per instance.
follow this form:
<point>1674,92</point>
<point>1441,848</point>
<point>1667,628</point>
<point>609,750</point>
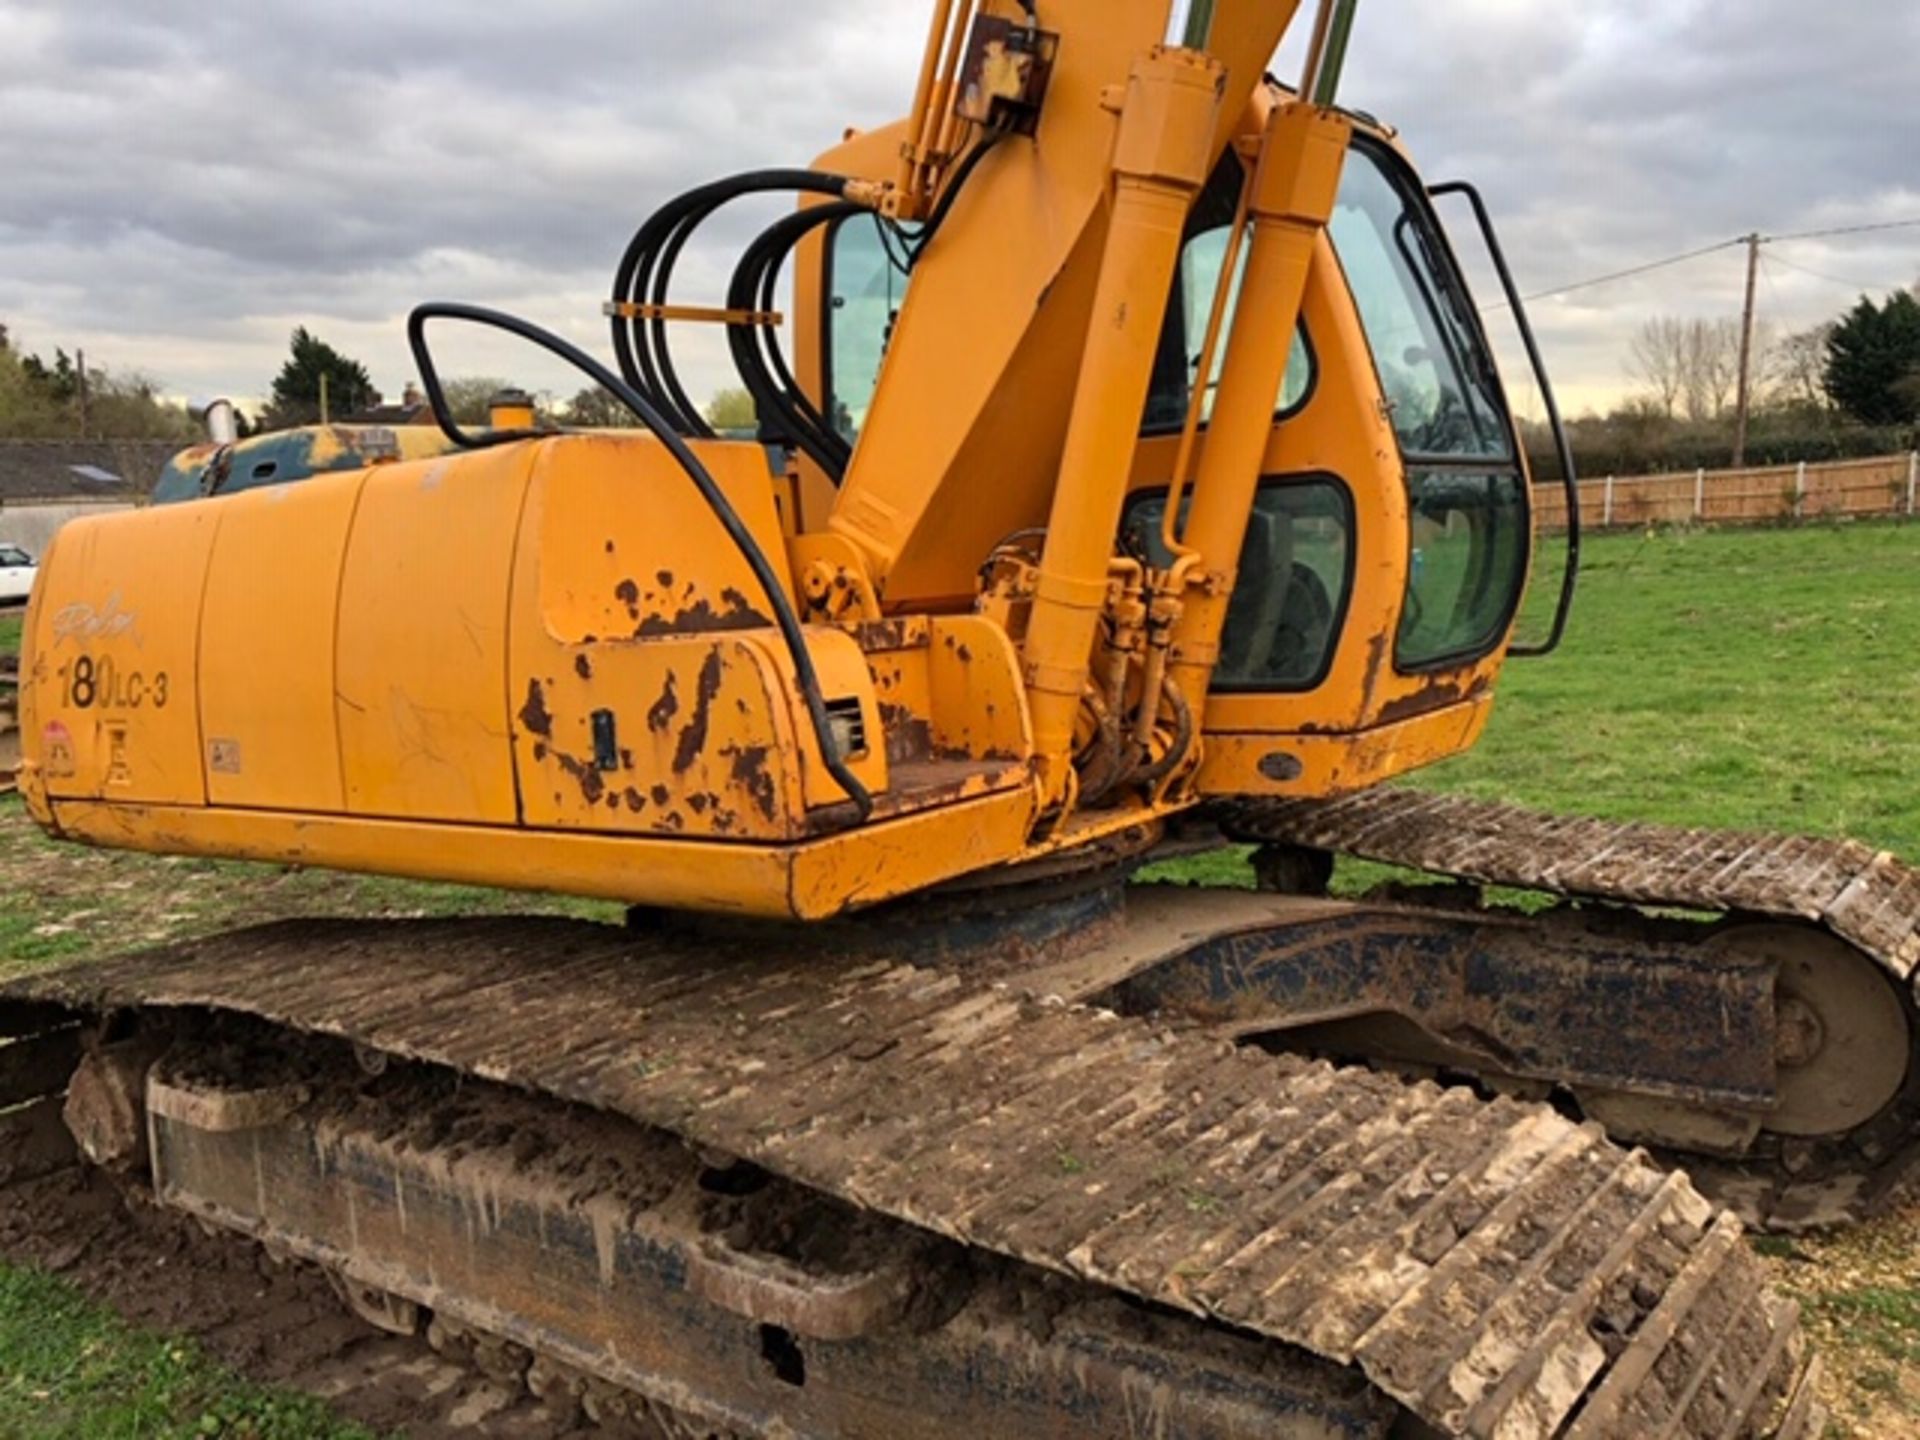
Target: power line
<point>1646,269</point>
<point>1680,259</point>
<point>1848,230</point>
<point>1835,279</point>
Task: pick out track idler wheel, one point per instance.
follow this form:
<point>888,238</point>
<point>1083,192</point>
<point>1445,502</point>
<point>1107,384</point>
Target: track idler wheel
<point>1842,1042</point>
<point>106,1104</point>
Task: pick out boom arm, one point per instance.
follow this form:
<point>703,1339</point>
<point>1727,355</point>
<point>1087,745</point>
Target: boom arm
<point>981,368</point>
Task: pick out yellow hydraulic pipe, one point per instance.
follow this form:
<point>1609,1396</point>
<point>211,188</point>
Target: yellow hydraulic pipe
<point>1203,378</point>
<point>1294,191</point>
<point>923,91</point>
<point>1167,122</point>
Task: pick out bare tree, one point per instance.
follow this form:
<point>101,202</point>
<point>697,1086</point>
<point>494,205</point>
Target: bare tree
<point>1799,367</point>
<point>1711,368</point>
<point>1658,356</point>
<point>468,397</point>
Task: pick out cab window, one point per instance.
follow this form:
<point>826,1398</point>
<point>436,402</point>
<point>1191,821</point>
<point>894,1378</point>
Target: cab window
<point>1466,492</point>
<point>1296,573</point>
<point>1203,259</point>
<point>866,285</point>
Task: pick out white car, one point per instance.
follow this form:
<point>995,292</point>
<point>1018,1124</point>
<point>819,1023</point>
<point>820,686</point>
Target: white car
<point>16,575</point>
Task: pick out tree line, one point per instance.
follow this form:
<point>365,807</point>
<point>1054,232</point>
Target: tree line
<point>61,398</point>
<point>314,369</point>
<point>66,399</point>
<point>1847,387</point>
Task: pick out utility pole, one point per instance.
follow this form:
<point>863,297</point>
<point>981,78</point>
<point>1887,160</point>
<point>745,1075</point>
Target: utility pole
<point>1743,406</point>
<point>323,397</point>
<point>80,370</point>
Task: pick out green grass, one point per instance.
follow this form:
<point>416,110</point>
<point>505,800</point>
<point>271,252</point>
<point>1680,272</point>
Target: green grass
<point>1752,679</point>
<point>70,1369</point>
<point>62,902</point>
<point>1757,679</point>
<point>10,634</point>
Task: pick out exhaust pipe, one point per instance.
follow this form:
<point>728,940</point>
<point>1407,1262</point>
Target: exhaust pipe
<point>223,428</point>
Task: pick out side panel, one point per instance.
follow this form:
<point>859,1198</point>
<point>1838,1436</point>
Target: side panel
<point>115,616</point>
<point>267,646</point>
<point>643,694</point>
<point>422,654</point>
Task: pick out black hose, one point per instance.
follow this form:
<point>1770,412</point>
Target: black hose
<point>756,352</point>
<point>943,207</point>
<point>645,272</point>
<point>628,395</point>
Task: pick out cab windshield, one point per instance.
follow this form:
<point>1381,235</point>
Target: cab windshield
<point>1466,491</point>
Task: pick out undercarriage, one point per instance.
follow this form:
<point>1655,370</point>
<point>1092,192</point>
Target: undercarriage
<point>1743,1003</point>
<point>830,1188</point>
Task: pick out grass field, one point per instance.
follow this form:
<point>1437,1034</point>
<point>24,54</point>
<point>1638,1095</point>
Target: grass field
<point>1768,679</point>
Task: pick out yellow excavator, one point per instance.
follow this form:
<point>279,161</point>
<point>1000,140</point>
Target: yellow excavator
<point>1138,480</point>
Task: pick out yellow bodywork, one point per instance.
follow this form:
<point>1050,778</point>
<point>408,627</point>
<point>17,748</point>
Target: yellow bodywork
<point>546,665</point>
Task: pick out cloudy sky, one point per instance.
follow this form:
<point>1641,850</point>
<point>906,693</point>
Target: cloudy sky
<point>186,180</point>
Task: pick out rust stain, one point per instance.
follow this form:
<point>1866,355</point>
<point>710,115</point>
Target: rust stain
<point>1435,696</point>
<point>583,667</point>
<point>875,636</point>
<point>661,795</point>
<point>587,777</point>
<point>693,739</point>
<point>701,618</point>
<point>909,736</point>
<point>750,773</point>
<point>697,804</point>
<point>665,579</point>
<point>666,707</point>
<point>534,714</point>
<point>636,802</point>
<point>1376,662</point>
<point>628,594</point>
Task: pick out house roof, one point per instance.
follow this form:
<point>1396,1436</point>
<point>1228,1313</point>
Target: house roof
<point>68,469</point>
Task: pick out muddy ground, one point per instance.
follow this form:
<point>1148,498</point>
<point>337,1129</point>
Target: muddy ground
<point>280,1324</point>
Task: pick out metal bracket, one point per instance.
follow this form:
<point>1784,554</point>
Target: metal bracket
<point>698,314</point>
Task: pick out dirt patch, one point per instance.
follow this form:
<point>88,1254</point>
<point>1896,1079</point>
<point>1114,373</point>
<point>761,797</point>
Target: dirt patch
<point>1859,1291</point>
<point>277,1324</point>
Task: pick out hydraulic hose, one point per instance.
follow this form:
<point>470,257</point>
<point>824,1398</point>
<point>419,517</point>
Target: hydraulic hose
<point>645,273</point>
<point>756,352</point>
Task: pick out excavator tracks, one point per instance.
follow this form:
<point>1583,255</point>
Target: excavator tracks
<point>1492,1267</point>
<point>1868,900</point>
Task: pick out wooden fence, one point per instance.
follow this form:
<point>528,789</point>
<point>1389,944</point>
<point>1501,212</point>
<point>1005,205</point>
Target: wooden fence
<point>1889,486</point>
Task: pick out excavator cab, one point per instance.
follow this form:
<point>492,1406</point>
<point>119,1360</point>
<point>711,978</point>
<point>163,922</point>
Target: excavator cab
<point>1378,585</point>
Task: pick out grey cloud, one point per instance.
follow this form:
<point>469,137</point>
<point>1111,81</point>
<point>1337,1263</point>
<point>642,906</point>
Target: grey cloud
<point>187,180</point>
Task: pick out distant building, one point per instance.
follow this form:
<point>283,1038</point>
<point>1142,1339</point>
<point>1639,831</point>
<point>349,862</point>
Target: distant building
<point>45,483</point>
<point>411,410</point>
